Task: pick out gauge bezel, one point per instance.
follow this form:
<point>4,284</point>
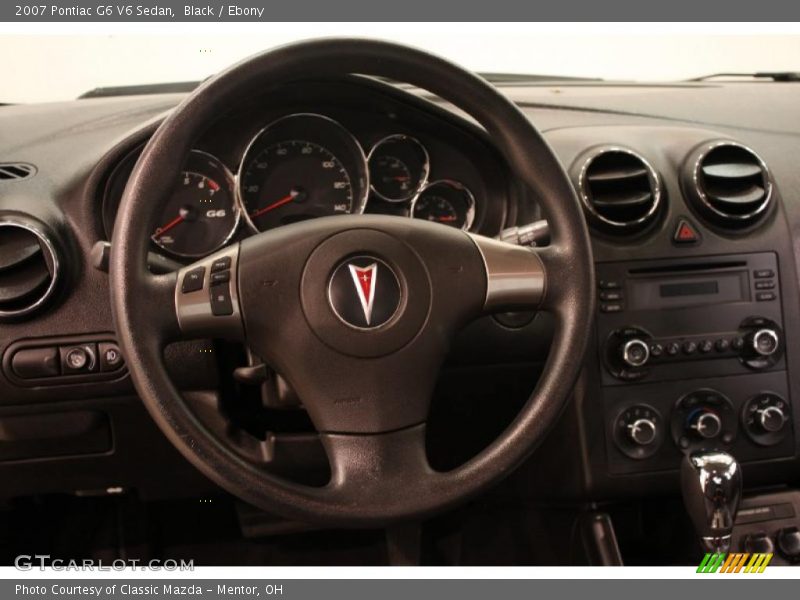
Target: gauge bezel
<point>470,216</point>
<point>359,203</point>
<point>426,167</point>
<point>129,161</point>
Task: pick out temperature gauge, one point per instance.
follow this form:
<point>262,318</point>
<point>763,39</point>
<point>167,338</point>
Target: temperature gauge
<point>398,167</point>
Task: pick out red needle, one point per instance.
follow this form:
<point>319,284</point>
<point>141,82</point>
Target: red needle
<point>162,230</point>
<point>269,207</point>
<point>446,219</point>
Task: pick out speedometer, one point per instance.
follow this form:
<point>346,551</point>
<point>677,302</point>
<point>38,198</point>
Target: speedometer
<point>301,167</point>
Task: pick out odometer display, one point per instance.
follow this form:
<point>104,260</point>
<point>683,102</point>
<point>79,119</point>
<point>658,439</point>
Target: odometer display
<point>301,167</point>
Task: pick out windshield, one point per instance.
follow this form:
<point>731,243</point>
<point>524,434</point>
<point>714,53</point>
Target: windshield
<point>65,67</point>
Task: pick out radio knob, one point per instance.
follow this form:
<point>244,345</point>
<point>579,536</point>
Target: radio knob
<point>635,353</point>
<point>765,342</point>
<point>707,425</point>
<point>771,418</point>
<point>642,432</point>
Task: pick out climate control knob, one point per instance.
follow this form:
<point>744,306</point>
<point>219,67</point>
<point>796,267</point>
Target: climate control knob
<point>642,432</point>
<point>706,424</point>
<point>764,418</point>
<point>635,353</point>
<point>771,418</point>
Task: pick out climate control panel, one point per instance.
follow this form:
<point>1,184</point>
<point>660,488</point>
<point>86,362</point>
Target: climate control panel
<point>650,430</point>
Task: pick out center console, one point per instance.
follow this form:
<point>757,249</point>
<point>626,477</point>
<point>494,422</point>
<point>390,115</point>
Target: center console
<point>693,357</point>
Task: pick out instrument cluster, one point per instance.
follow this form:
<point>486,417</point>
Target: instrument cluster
<point>300,166</point>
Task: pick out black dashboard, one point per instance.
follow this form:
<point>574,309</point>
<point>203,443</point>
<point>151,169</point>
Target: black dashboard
<point>691,193</point>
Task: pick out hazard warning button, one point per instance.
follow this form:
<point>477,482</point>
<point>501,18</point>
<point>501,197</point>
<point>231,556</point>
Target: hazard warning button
<point>685,233</point>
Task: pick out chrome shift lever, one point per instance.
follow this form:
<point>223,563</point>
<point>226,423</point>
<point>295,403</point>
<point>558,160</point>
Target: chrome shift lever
<point>711,483</point>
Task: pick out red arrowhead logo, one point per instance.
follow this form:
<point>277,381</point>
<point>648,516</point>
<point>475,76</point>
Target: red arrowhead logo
<point>364,279</point>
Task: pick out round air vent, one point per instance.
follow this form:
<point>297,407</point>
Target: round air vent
<point>28,268</point>
<point>729,184</point>
<point>619,189</point>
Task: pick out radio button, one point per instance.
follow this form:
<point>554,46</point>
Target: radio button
<point>722,345</point>
<point>765,296</point>
<point>689,347</point>
<point>656,350</point>
<point>673,348</point>
<point>737,344</point>
<point>765,285</point>
<point>609,285</point>
<point>610,308</point>
<point>763,273</point>
<point>706,346</point>
<point>610,296</point>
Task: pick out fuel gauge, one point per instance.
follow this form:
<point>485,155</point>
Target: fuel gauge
<point>446,202</point>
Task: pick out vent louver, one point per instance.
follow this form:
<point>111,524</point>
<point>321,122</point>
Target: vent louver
<point>12,171</point>
<point>28,269</point>
<point>730,185</point>
<point>620,190</point>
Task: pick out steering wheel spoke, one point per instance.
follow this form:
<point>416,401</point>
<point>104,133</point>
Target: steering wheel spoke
<point>206,297</point>
<point>377,470</point>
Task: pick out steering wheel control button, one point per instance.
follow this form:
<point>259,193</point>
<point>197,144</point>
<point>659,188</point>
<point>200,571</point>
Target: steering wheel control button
<point>220,297</point>
<point>36,363</point>
<point>221,264</point>
<point>193,280</point>
<point>78,359</point>
<point>110,357</point>
<point>213,311</point>
<point>364,292</point>
<point>220,277</point>
<point>685,233</point>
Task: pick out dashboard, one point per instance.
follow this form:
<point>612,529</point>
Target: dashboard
<point>691,194</point>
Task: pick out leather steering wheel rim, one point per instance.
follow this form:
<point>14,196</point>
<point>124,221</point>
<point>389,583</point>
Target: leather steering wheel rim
<point>384,489</point>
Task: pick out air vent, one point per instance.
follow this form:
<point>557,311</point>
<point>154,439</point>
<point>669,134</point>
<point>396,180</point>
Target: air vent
<point>729,184</point>
<point>619,189</point>
<point>28,268</point>
<point>11,171</point>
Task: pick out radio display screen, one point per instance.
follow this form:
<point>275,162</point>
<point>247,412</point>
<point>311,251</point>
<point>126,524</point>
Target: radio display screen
<point>678,291</point>
<point>689,288</point>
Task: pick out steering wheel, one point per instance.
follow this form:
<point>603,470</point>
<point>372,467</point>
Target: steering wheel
<point>356,312</point>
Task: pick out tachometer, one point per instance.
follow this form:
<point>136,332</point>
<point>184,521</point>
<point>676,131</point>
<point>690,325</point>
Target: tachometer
<point>198,218</point>
<point>446,202</point>
<point>201,214</point>
<point>301,167</point>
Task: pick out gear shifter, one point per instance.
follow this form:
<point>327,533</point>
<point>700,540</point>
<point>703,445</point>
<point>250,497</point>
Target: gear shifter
<point>711,483</point>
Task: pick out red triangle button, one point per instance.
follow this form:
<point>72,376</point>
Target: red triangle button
<point>685,233</point>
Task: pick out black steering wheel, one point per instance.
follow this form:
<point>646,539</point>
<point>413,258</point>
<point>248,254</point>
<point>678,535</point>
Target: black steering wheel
<point>356,312</point>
